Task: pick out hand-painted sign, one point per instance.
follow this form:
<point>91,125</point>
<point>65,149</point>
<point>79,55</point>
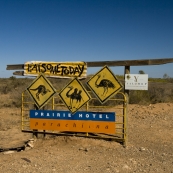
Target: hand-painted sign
<point>104,84</point>
<point>136,81</point>
<point>99,122</point>
<point>56,69</point>
<point>41,90</point>
<point>74,95</point>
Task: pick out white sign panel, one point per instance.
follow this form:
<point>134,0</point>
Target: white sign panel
<point>136,81</point>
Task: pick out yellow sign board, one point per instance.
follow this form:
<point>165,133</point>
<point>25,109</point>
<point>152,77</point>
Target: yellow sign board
<point>41,90</point>
<point>74,95</point>
<point>104,84</point>
<point>56,69</point>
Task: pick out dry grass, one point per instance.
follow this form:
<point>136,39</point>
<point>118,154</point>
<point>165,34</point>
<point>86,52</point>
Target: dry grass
<point>11,89</point>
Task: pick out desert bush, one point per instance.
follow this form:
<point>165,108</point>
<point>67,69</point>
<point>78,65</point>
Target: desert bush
<point>5,89</point>
<point>158,92</point>
<point>139,97</point>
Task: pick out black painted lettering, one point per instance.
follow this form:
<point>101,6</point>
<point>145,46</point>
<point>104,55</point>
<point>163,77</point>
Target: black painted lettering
<point>44,68</point>
<point>66,71</point>
<point>35,67</point>
<point>71,69</point>
<point>106,127</point>
<point>76,70</point>
<point>49,67</point>
<point>57,67</point>
<point>81,69</point>
<point>62,71</point>
<point>54,69</point>
<point>39,67</point>
<point>29,66</point>
<point>97,127</point>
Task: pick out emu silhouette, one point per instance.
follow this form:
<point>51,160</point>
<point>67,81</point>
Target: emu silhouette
<point>105,84</point>
<point>41,89</point>
<point>74,96</point>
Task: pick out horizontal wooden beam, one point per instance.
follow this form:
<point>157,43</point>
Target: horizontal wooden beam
<point>111,63</point>
<point>19,73</point>
<point>130,62</point>
<point>15,67</point>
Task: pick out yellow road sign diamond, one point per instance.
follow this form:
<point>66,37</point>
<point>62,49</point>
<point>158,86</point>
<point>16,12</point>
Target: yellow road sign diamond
<point>104,84</point>
<point>74,95</point>
<point>41,90</point>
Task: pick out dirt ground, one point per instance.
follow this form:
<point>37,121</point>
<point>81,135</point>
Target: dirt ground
<point>149,148</point>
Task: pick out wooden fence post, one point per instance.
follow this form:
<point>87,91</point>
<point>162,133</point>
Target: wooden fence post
<point>126,92</point>
<point>35,134</point>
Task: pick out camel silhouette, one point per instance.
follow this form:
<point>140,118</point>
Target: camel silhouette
<point>79,98</point>
<point>74,96</point>
<point>41,89</point>
<point>105,84</point>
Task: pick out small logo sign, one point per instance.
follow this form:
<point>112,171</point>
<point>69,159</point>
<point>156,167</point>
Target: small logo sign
<point>74,95</point>
<point>41,90</point>
<point>136,81</point>
<point>104,84</point>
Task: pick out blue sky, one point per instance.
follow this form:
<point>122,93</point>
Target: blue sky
<point>87,30</point>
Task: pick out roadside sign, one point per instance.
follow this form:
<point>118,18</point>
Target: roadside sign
<point>81,121</point>
<point>74,95</point>
<point>104,84</point>
<point>41,90</point>
<point>56,69</point>
<point>136,81</point>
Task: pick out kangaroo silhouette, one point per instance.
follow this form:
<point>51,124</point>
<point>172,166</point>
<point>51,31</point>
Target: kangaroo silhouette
<point>41,89</point>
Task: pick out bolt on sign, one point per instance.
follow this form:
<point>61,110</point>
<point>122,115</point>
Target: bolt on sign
<point>41,90</point>
<point>99,122</point>
<point>136,81</point>
<point>104,84</point>
<point>74,95</point>
<point>56,69</point>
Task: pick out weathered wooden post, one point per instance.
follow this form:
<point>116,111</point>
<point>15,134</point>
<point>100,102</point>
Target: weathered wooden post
<point>126,92</point>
